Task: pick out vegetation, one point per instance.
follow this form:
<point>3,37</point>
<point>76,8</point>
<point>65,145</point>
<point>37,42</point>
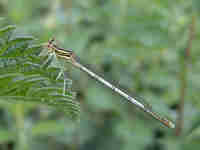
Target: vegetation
<point>146,47</point>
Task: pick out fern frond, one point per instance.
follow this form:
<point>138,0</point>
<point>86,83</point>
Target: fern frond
<point>6,30</point>
<point>23,80</point>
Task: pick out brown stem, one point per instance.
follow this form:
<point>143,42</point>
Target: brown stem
<point>183,79</point>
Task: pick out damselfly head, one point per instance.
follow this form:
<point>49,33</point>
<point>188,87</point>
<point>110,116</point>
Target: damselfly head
<point>50,45</point>
<point>51,40</point>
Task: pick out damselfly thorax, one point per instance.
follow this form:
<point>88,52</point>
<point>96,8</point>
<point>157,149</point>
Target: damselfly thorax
<point>60,52</point>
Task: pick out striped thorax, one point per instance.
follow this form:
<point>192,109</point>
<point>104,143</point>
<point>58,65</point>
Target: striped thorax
<point>60,52</point>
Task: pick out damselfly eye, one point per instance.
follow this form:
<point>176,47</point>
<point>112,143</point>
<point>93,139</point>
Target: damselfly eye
<point>51,40</point>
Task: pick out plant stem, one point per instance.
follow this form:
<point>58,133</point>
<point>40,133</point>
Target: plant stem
<point>21,138</point>
<point>183,79</point>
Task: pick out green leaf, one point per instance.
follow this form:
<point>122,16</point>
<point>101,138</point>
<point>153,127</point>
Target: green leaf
<point>6,29</point>
<point>6,135</point>
<point>19,39</point>
<point>22,79</point>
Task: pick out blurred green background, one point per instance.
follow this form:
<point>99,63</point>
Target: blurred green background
<point>139,45</point>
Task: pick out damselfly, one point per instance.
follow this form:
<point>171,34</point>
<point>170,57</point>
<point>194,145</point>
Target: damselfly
<point>70,56</point>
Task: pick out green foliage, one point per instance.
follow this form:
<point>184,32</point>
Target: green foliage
<point>22,81</point>
<point>138,44</point>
